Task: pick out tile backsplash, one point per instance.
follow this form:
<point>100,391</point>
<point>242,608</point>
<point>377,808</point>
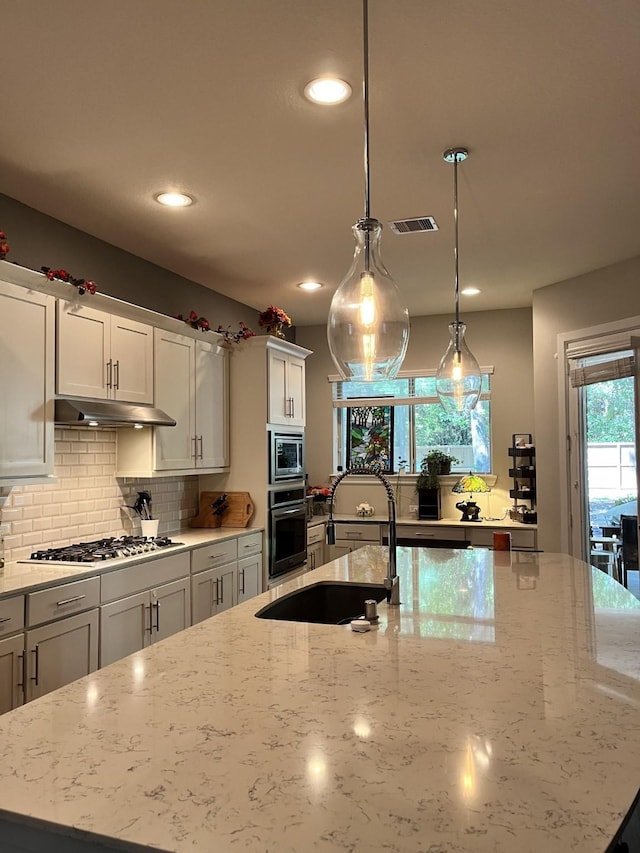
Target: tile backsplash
<point>87,501</point>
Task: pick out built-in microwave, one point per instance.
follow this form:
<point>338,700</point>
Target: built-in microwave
<point>286,456</point>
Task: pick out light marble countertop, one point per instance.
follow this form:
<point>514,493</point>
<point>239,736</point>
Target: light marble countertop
<point>27,577</point>
<point>506,523</point>
<point>497,709</point>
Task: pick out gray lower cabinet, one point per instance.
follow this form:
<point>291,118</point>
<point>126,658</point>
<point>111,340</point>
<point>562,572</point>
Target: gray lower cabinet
<point>316,534</point>
<point>225,573</point>
<point>11,672</point>
<point>249,577</point>
<point>350,537</point>
<point>142,604</point>
<point>213,591</point>
<point>61,636</point>
<point>60,652</point>
<point>315,555</point>
<point>11,652</point>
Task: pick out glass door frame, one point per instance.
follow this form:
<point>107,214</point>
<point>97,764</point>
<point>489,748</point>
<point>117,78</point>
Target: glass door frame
<point>609,337</point>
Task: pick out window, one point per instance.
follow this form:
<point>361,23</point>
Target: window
<point>419,423</point>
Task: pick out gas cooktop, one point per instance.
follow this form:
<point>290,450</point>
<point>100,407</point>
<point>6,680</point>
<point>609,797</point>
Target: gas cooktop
<point>94,553</point>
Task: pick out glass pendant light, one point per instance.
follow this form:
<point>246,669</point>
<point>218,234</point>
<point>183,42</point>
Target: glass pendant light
<point>458,380</point>
<point>368,325</point>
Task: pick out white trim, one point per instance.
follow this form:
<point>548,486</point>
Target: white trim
<point>352,402</point>
<point>594,340</point>
<point>410,374</point>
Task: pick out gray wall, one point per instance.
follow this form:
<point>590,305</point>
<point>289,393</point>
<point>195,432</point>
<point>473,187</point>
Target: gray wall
<point>38,240</point>
<point>602,296</point>
<point>499,338</point>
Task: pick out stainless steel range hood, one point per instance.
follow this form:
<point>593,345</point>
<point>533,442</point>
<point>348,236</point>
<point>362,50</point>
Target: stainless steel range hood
<point>73,411</point>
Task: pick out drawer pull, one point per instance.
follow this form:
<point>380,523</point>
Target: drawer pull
<point>70,600</point>
<point>6,619</point>
<point>35,652</point>
<point>216,556</point>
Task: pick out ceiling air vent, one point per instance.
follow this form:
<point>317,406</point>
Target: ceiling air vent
<point>413,226</point>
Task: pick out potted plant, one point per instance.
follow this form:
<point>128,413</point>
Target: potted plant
<point>435,463</point>
<point>432,466</point>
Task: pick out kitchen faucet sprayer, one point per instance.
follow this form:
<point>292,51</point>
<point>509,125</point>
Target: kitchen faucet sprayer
<point>391,581</point>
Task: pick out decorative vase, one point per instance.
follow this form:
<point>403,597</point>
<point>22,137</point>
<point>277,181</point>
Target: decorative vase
<point>276,330</point>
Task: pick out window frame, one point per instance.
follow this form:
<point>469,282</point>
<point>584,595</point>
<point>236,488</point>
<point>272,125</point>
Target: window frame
<point>410,400</point>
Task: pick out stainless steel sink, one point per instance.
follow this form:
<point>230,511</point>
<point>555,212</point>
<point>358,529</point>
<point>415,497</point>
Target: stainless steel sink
<point>327,602</point>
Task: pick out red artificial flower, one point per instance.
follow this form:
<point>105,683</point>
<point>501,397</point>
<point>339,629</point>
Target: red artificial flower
<point>272,316</point>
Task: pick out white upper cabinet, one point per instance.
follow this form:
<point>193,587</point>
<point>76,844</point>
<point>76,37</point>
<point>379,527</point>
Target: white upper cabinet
<point>192,386</point>
<point>286,388</point>
<point>103,356</point>
<point>27,359</point>
<point>212,406</point>
<point>175,447</point>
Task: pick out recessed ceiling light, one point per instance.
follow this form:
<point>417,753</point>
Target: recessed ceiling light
<point>310,285</point>
<point>171,199</point>
<point>470,291</point>
<point>327,90</point>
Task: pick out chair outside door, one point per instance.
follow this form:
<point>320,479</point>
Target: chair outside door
<point>629,552</point>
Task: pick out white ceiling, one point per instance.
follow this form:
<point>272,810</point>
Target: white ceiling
<point>105,104</point>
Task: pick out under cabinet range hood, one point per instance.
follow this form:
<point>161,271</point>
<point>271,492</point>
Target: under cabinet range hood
<point>73,411</point>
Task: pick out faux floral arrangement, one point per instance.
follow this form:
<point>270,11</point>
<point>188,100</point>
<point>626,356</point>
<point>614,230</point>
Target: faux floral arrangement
<point>235,337</point>
<point>319,493</point>
<point>4,246</point>
<point>83,285</point>
<point>274,320</point>
<point>204,325</point>
<point>194,321</point>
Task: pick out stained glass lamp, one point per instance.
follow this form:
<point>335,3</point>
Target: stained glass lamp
<point>473,485</point>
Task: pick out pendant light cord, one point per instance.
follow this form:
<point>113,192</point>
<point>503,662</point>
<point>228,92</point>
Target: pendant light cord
<point>455,250</point>
<point>365,98</point>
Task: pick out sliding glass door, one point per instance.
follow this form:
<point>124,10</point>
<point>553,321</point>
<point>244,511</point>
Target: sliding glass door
<point>603,436</point>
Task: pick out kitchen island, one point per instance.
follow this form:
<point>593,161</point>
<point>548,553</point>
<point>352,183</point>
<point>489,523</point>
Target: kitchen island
<point>495,710</point>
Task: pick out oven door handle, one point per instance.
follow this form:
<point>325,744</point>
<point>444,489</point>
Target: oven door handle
<point>279,512</point>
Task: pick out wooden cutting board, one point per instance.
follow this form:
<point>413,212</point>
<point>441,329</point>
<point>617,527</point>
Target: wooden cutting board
<point>238,514</point>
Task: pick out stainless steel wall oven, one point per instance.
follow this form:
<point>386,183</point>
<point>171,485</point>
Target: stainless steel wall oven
<point>287,530</point>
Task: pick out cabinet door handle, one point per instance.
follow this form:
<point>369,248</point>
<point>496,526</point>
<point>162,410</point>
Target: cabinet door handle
<point>150,627</point>
<point>156,604</point>
<point>35,652</point>
<point>242,577</point>
<point>70,600</point>
<point>6,619</point>
<point>23,668</point>
<point>194,440</point>
<point>200,443</point>
<point>293,407</point>
<point>221,590</point>
<point>108,383</point>
<point>116,375</point>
